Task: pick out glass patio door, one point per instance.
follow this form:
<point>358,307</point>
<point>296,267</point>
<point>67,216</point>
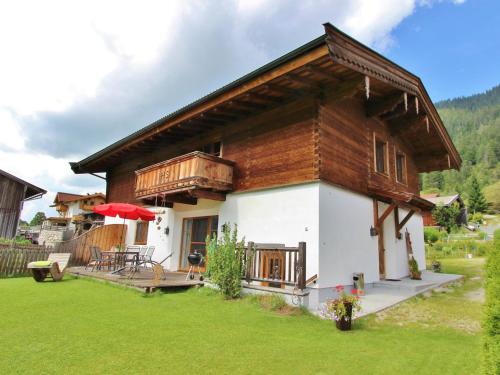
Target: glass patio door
<point>194,233</point>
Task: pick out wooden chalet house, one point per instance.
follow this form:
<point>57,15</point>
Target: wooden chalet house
<point>13,193</point>
<point>76,210</point>
<point>323,145</point>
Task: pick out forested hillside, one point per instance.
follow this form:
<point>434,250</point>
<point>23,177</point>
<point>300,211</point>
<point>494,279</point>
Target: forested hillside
<point>474,125</point>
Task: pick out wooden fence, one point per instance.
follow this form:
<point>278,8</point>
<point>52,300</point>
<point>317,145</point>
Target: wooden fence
<point>14,258</point>
<point>276,265</point>
<point>104,237</point>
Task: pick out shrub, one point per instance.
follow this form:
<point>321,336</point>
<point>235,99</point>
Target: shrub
<point>491,322</point>
<point>18,240</point>
<point>431,235</point>
<point>476,218</point>
<point>225,262</point>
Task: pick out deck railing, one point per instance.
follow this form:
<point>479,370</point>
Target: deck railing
<point>276,265</point>
<point>196,170</point>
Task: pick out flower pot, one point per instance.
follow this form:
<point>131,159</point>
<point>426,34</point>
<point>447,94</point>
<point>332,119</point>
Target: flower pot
<point>344,323</point>
<point>416,275</point>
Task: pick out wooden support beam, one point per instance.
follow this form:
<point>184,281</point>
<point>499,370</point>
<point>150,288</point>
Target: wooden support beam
<point>386,213</point>
<point>346,89</point>
<point>379,107</point>
<point>397,126</point>
<point>301,81</point>
<point>181,198</point>
<point>322,74</point>
<point>400,225</point>
<point>396,223</point>
<point>265,97</point>
<point>206,194</point>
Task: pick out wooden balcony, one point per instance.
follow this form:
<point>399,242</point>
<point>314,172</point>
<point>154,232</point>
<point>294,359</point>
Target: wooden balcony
<point>87,207</point>
<point>186,178</point>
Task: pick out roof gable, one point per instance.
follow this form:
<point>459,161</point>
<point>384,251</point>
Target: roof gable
<point>279,76</point>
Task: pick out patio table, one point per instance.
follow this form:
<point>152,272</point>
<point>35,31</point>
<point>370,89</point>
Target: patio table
<point>120,259</point>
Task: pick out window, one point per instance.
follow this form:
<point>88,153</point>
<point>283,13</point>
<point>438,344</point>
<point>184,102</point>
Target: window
<point>400,167</point>
<point>214,149</point>
<point>141,233</point>
<point>194,234</point>
<point>380,156</point>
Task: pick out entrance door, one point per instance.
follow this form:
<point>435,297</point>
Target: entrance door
<point>194,234</point>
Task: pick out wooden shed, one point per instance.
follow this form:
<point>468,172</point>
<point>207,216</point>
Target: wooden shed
<point>13,193</point>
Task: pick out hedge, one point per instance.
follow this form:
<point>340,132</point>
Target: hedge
<point>491,322</point>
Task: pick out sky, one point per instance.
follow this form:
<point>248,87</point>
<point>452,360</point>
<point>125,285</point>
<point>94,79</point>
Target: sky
<point>77,76</point>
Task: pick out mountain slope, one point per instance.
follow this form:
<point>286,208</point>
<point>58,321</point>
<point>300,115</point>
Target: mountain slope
<point>474,125</point>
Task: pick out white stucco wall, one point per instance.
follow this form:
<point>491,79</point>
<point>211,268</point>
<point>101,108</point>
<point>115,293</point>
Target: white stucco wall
<point>396,258</point>
<point>344,237</point>
<point>334,222</point>
<point>286,215</point>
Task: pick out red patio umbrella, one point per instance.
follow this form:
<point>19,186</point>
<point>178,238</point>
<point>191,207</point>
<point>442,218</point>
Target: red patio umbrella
<point>125,211</point>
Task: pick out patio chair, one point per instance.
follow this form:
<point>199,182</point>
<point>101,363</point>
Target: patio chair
<point>96,259</point>
<point>149,253</point>
<point>53,267</point>
<point>142,252</point>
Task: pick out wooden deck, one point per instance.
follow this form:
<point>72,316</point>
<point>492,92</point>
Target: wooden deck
<point>142,280</point>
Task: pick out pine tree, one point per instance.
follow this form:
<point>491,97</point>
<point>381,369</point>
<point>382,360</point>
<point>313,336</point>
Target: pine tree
<point>477,201</point>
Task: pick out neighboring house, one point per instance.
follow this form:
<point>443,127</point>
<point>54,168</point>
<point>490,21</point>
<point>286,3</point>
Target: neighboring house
<point>446,201</point>
<point>13,193</point>
<point>76,211</point>
<point>323,145</point>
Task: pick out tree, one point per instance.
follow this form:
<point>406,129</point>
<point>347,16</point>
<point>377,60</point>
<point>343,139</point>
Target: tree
<point>445,216</point>
<point>38,219</point>
<point>477,201</point>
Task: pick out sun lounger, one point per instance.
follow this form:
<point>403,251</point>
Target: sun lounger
<point>54,267</point>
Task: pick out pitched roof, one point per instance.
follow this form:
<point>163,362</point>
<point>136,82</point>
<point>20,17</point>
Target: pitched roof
<point>69,197</point>
<point>32,191</point>
<point>445,200</point>
<point>336,45</point>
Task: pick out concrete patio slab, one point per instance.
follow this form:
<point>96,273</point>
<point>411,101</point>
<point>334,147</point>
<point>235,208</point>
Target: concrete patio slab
<point>385,294</point>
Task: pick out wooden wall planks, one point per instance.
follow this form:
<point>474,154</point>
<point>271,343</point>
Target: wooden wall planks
<point>347,150</point>
<point>306,140</point>
<point>11,198</point>
<point>274,148</point>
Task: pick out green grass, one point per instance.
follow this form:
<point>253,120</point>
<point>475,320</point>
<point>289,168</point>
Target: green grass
<point>85,327</point>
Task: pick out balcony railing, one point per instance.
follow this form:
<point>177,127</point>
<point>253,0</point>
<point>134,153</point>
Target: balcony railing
<point>193,171</point>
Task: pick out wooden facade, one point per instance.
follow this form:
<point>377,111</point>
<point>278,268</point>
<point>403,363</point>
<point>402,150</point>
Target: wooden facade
<point>13,192</point>
<point>315,114</point>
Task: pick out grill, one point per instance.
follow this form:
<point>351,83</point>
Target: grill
<point>194,260</point>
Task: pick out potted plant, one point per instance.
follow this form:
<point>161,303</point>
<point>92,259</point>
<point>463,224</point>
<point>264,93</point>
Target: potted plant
<point>341,308</point>
<point>415,273</point>
<point>436,265</point>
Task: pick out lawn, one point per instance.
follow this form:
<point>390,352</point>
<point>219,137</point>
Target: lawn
<point>86,327</point>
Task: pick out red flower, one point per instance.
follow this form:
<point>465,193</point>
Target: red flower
<point>354,291</point>
<point>339,288</point>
